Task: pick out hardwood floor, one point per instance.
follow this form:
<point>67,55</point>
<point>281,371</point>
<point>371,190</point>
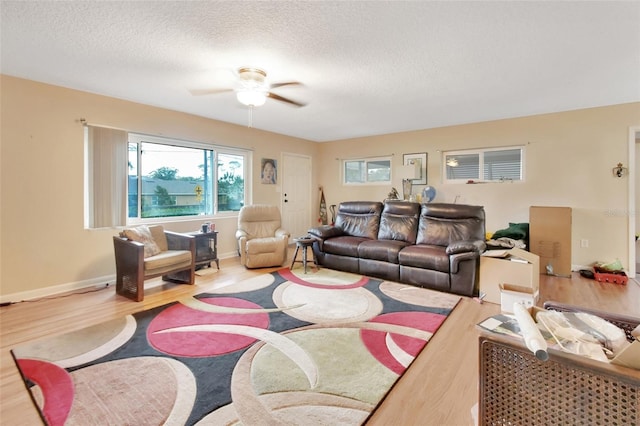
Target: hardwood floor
<point>440,387</point>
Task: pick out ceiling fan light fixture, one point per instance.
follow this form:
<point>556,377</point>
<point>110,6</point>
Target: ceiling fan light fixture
<point>252,88</point>
<point>251,97</point>
<point>252,78</point>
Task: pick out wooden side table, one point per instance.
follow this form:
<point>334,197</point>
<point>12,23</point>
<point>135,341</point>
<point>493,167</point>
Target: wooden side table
<point>206,248</point>
<point>303,243</point>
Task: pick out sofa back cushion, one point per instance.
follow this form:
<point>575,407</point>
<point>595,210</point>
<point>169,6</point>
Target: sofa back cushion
<point>157,232</point>
<point>441,224</point>
<point>259,220</point>
<point>399,221</point>
<point>359,218</point>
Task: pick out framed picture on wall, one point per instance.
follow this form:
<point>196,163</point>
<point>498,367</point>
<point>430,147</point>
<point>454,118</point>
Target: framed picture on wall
<point>419,160</point>
<point>269,171</point>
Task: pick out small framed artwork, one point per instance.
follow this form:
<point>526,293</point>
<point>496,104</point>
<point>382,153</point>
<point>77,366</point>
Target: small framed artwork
<point>419,161</point>
<point>269,171</point>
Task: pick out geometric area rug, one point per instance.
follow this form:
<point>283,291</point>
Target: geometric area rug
<point>322,348</point>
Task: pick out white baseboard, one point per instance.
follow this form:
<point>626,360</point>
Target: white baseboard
<point>228,255</point>
<point>77,285</point>
<point>57,289</point>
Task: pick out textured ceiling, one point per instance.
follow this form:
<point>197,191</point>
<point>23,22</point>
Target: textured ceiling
<point>367,67</point>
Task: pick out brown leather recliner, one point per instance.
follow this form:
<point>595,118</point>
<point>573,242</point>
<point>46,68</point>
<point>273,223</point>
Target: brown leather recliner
<point>337,246</point>
<point>431,245</point>
<point>446,255</point>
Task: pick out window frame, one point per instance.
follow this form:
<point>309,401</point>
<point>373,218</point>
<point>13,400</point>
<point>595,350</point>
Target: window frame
<point>366,161</point>
<point>481,161</point>
<point>217,150</point>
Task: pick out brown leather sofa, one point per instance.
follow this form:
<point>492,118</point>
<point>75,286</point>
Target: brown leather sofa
<point>433,245</point>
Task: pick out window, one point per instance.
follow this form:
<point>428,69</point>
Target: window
<point>485,165</point>
<point>367,171</point>
<point>171,178</point>
<point>132,177</point>
<point>164,200</point>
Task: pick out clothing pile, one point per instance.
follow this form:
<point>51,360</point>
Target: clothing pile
<point>515,236</point>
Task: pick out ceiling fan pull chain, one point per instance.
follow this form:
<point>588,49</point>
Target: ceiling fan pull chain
<point>250,116</point>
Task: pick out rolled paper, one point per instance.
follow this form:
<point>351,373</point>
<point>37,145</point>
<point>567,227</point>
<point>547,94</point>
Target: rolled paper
<point>532,336</point>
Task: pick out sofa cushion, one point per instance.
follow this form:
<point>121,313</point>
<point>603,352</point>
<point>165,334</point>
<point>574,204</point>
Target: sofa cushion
<point>259,220</point>
<point>425,256</point>
<point>399,221</point>
<point>142,234</point>
<point>442,232</point>
<point>385,250</point>
<point>344,246</point>
<point>264,245</point>
<point>167,259</point>
<point>359,218</point>
<point>441,224</point>
<point>160,238</point>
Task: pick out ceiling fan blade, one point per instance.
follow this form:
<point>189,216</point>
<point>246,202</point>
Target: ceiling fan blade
<point>285,100</point>
<point>286,83</point>
<point>201,92</point>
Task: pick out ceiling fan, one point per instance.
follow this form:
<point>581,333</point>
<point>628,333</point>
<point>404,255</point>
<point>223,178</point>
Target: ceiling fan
<point>253,88</point>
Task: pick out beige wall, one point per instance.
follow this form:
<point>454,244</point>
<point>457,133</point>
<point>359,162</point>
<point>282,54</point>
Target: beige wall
<point>43,241</point>
<point>44,247</point>
<point>569,157</point>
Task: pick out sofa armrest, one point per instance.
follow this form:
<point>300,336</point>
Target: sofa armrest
<point>456,259</point>
<point>466,246</point>
<point>129,255</point>
<point>241,236</point>
<point>282,233</point>
<point>127,249</point>
<point>325,231</point>
<point>178,241</point>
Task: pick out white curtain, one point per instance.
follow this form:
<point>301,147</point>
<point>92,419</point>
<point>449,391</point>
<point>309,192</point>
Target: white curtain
<point>107,161</point>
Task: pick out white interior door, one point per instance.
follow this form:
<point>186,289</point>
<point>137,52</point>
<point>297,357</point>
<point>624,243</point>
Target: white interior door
<point>296,194</point>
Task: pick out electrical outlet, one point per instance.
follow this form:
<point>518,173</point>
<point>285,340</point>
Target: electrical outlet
<point>584,243</point>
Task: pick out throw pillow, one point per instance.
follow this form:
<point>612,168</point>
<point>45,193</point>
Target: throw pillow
<point>142,235</point>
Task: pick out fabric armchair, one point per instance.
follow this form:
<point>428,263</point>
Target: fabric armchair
<point>262,242</point>
<point>145,252</point>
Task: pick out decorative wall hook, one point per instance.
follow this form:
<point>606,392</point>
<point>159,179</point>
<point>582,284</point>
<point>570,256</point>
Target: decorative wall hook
<point>619,170</point>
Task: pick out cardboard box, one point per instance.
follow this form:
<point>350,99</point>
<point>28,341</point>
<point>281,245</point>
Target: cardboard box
<point>515,266</point>
<point>510,294</point>
<point>550,239</point>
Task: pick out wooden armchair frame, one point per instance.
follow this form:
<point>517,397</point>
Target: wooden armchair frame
<point>130,270</point>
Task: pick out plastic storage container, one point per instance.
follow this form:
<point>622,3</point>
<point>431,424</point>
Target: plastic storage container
<point>605,276</point>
